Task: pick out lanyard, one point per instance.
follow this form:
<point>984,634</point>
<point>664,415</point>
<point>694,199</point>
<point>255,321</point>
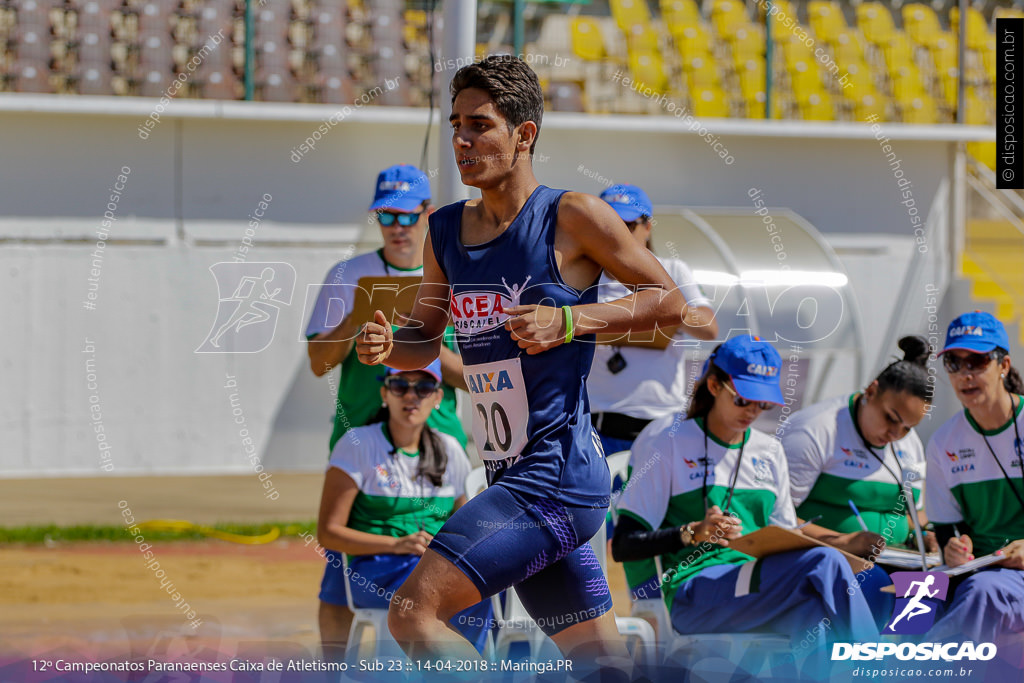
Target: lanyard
<point>1016,447</point>
<point>735,472</point>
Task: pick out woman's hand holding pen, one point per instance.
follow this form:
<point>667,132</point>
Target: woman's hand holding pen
<point>860,543</point>
<point>717,527</point>
<point>959,550</point>
<point>413,544</point>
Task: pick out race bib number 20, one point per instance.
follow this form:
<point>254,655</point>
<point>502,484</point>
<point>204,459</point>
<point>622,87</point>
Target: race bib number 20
<point>501,411</point>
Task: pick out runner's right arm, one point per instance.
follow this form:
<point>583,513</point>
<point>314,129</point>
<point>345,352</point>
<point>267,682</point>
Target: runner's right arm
<point>417,344</point>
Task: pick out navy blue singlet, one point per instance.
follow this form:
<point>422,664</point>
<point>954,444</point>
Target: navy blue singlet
<point>531,416</point>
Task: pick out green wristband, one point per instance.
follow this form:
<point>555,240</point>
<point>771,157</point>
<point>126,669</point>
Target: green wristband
<point>567,310</point>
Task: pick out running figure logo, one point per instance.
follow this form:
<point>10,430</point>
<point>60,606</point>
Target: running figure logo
<point>918,595</point>
<point>247,319</point>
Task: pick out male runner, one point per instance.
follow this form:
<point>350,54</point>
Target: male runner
<point>517,269</point>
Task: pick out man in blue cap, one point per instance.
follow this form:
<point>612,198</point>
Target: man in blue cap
<point>629,386</point>
<point>401,204</point>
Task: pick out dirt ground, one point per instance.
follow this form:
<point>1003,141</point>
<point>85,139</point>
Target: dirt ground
<point>87,601</point>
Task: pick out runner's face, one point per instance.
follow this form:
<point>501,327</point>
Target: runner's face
<point>410,410</point>
<point>889,416</point>
<point>485,149</point>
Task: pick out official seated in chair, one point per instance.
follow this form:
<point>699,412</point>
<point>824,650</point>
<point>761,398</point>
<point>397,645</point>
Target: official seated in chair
<point>389,487</point>
<point>700,481</point>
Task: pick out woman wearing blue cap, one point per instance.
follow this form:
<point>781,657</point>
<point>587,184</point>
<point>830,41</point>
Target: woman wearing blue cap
<point>699,483</point>
<point>975,492</point>
<point>389,488</point>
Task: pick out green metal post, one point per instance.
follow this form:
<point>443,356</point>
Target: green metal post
<point>768,61</point>
<point>250,49</point>
<point>518,26</point>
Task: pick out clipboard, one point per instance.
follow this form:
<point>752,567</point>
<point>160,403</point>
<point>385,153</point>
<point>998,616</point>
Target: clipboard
<point>390,295</point>
<point>658,339</point>
<point>772,540</point>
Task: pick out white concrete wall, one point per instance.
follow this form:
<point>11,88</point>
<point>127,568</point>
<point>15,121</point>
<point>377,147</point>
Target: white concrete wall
<point>200,174</point>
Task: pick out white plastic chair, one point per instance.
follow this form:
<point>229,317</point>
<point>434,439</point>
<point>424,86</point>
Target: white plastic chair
<point>363,618</point>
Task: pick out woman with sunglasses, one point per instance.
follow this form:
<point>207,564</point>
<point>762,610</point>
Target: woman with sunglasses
<point>975,493</point>
<point>852,460</point>
<point>697,484</point>
<point>388,489</point>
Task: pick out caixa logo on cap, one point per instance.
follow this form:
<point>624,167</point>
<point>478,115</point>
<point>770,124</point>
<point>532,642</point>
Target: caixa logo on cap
<point>763,370</point>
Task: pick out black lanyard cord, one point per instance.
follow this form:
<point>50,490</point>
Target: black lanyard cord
<point>1016,446</point>
<point>735,472</point>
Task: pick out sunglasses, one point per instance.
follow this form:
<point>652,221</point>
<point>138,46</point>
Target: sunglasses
<point>399,386</point>
<point>741,402</point>
<point>388,218</point>
<point>972,362</point>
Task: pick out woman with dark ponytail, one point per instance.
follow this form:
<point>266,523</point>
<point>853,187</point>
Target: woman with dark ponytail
<point>975,490</point>
<point>862,448</point>
<point>389,487</point>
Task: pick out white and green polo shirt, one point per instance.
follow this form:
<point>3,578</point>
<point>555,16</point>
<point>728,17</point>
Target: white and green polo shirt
<point>392,501</point>
<point>664,491</point>
<point>966,485</point>
<point>830,465</point>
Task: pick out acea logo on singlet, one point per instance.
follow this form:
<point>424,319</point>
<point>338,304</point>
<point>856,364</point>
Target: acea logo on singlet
<point>474,312</point>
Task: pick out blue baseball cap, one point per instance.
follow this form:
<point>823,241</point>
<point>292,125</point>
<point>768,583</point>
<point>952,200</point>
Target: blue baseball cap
<point>629,201</point>
<point>753,366</point>
<point>976,331</point>
<point>401,188</point>
<point>434,370</point>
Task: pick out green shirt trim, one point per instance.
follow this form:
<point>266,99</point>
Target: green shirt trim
<point>746,435</point>
<point>380,252</point>
<point>638,518</point>
<point>997,430</point>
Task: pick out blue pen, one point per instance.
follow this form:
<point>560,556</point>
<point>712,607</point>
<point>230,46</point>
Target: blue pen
<point>856,512</point>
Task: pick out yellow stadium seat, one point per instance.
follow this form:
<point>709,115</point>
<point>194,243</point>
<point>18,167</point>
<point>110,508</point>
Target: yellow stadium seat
<point>985,152</point>
<point>920,109</point>
<point>977,29</point>
<point>628,13</point>
<point>586,39</point>
<point>679,13</point>
<point>921,23</point>
<point>747,43</point>
<point>702,73</point>
<point>640,38</point>
<point>948,82</point>
<point>751,75</point>
<point>988,57</point>
<point>870,107</point>
<point>817,107</point>
<point>649,70</point>
<point>906,83</point>
<point>897,51</point>
<point>709,103</point>
<point>847,48</point>
<point>874,21</point>
<point>796,51</point>
<point>856,81</point>
<point>806,80</point>
<point>693,41</point>
<point>944,53</point>
<point>826,20</point>
<point>727,16</point>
